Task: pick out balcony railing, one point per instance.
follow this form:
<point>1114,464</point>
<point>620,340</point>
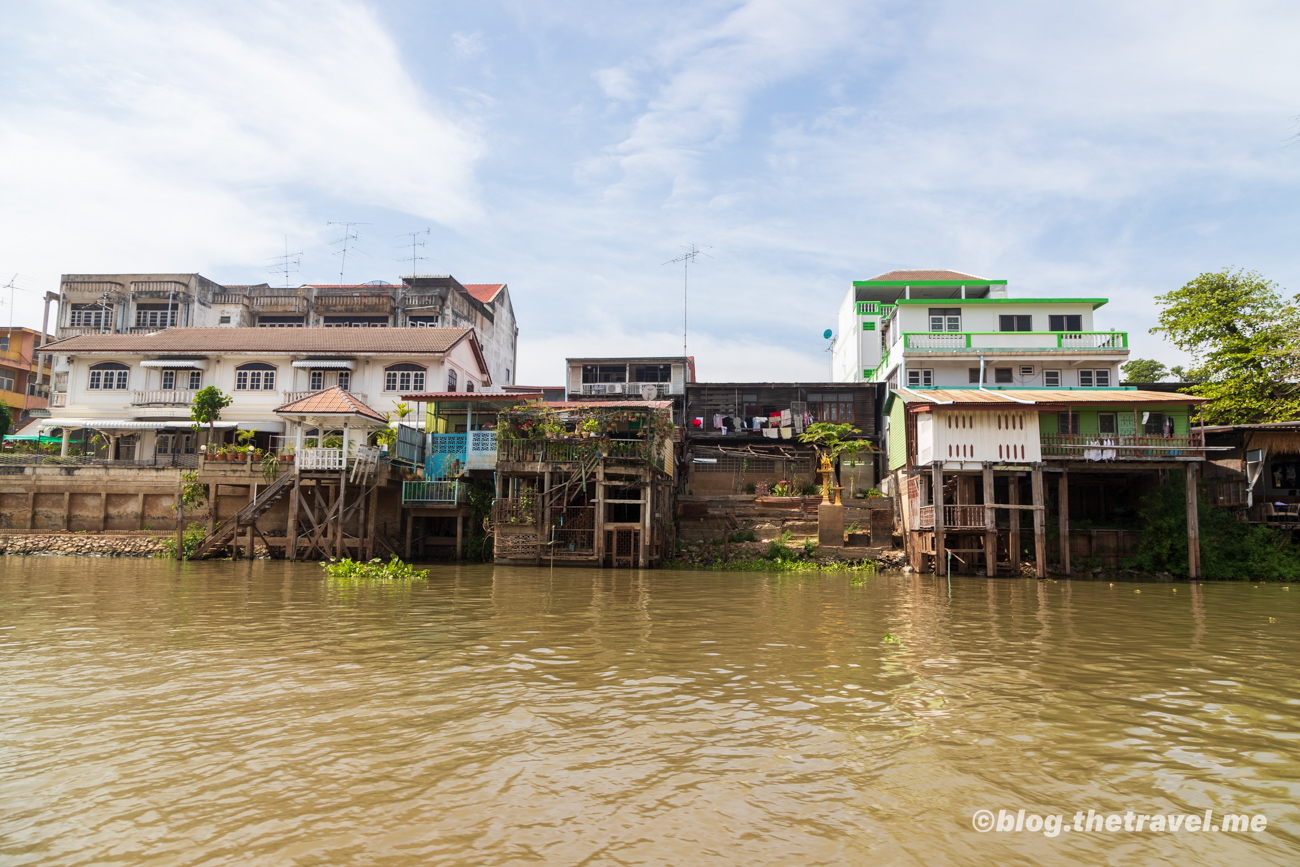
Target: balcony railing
<point>354,303</point>
<point>69,331</point>
<point>1130,448</point>
<point>430,493</point>
<point>630,390</point>
<point>320,459</point>
<point>159,397</point>
<point>514,511</point>
<point>962,341</point>
<point>59,398</point>
<point>278,303</point>
<point>229,298</point>
<point>868,307</point>
<point>954,517</point>
<point>451,454</point>
<point>148,329</point>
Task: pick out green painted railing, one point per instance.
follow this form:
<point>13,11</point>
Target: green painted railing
<point>961,340</point>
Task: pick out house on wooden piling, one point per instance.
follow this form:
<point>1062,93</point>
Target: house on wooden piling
<point>584,483</point>
<point>1255,469</point>
<point>970,463</point>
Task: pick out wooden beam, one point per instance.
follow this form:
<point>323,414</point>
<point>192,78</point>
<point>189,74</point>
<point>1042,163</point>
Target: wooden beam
<point>410,530</point>
<point>460,537</point>
<point>936,497</point>
<point>31,512</point>
<point>291,531</point>
<point>1063,514</point>
<point>139,508</point>
<point>370,522</point>
<point>1013,495</point>
<point>990,525</point>
<point>1193,526</point>
<point>1040,523</point>
<point>67,510</point>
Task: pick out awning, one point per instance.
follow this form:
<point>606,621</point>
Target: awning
<point>326,364</point>
<point>126,424</point>
<point>177,363</point>
<point>267,426</point>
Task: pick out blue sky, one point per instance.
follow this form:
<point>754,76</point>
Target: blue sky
<point>569,149</point>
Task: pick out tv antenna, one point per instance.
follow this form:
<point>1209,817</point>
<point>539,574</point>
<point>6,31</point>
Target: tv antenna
<point>11,286</point>
<point>287,264</point>
<point>692,252</point>
<point>349,234</point>
<point>415,244</point>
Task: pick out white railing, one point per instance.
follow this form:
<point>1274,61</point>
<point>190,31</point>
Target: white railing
<point>161,397</point>
<point>59,398</point>
<point>631,389</point>
<point>320,459</point>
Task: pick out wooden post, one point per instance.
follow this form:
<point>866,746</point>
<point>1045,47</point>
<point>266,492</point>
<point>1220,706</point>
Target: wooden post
<point>291,531</point>
<point>103,510</point>
<point>212,508</point>
<point>460,537</point>
<point>180,526</point>
<point>341,546</point>
<point>370,522</point>
<point>644,548</point>
<point>990,525</point>
<point>1063,510</point>
<point>1193,526</point>
<point>251,529</point>
<point>410,531</point>
<point>1040,523</point>
<point>598,544</point>
<point>1013,497</point>
<point>936,495</point>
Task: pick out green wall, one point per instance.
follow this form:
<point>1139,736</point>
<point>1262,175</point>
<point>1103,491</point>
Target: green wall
<point>897,435</point>
<point>1047,421</point>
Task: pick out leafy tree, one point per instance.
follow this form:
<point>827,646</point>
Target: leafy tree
<point>207,406</point>
<point>1240,331</point>
<point>6,420</point>
<point>1182,374</point>
<point>1144,370</point>
<point>832,440</point>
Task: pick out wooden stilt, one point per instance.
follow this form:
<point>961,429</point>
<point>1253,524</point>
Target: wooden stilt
<point>1193,526</point>
<point>252,551</point>
<point>212,508</point>
<point>67,510</point>
<point>410,528</point>
<point>341,545</point>
<point>291,531</point>
<point>599,499</point>
<point>1063,511</point>
<point>103,510</point>
<point>460,537</point>
<point>990,525</point>
<point>1040,523</point>
<point>31,512</point>
<point>370,522</point>
<point>940,542</point>
<point>1013,497</point>
<point>644,552</point>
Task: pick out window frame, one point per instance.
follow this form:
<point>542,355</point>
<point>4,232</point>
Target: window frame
<point>255,376</point>
<point>925,377</point>
<point>1065,321</point>
<point>1048,375</point>
<point>405,377</point>
<point>118,372</point>
<point>1017,319</point>
<point>1004,375</point>
<point>1072,423</point>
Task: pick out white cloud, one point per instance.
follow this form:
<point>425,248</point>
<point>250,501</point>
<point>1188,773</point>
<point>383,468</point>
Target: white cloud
<point>467,45</point>
<point>174,136</point>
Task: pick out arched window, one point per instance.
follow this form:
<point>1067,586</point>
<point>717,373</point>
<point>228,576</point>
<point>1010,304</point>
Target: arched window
<point>108,376</point>
<point>404,377</point>
<point>255,376</point>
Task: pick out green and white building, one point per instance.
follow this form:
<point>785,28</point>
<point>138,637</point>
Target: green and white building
<point>944,329</point>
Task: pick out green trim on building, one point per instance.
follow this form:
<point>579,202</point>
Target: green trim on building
<point>1128,424</point>
<point>868,326</point>
<point>897,435</point>
<point>931,302</point>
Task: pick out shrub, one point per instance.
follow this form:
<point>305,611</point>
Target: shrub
<point>351,571</point>
<point>190,541</point>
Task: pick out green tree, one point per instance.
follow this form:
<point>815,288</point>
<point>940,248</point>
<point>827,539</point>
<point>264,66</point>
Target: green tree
<point>6,421</point>
<point>1239,330</point>
<point>833,440</point>
<point>207,406</point>
<point>1144,370</point>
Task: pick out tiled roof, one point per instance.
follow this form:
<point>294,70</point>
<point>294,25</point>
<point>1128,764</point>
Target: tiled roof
<point>896,276</point>
<point>1043,397</point>
<point>331,401</point>
<point>341,341</point>
<point>484,292</point>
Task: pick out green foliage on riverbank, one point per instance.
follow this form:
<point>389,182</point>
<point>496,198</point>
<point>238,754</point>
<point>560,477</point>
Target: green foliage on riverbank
<point>190,541</point>
<point>351,571</point>
<point>1230,549</point>
<point>779,555</point>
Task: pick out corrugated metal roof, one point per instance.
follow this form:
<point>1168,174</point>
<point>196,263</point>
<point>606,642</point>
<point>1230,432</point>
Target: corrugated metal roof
<point>1042,397</point>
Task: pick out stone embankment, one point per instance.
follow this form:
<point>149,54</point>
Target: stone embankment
<point>141,544</point>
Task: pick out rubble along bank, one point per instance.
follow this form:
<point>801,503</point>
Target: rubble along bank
<point>87,545</point>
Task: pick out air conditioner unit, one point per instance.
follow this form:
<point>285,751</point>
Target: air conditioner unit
<point>613,388</point>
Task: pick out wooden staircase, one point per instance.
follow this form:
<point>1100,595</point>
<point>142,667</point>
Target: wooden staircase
<point>228,530</point>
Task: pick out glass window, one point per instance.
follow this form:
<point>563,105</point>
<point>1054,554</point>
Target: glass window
<point>1003,374</point>
<point>973,374</point>
<point>316,380</point>
<point>652,373</point>
<point>155,315</point>
<point>255,376</point>
<point>1085,378</point>
<point>422,321</point>
<point>280,322</point>
<point>108,376</point>
<point>356,322</point>
<point>1065,323</point>
<point>6,381</point>
<point>1106,424</point>
<point>1102,378</point>
<point>469,385</point>
<point>1052,378</point>
<point>93,315</point>
<point>1015,323</point>
<point>4,342</point>
<point>1067,422</point>
<point>168,380</point>
<point>604,373</point>
<point>1154,425</point>
<point>182,379</point>
<point>451,380</point>
<point>921,377</point>
<point>945,319</point>
<point>405,377</point>
<point>345,380</point>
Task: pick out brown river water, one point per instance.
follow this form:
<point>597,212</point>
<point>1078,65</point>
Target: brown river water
<point>251,714</point>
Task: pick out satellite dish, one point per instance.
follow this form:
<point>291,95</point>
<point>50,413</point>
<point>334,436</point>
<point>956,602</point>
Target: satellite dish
<point>827,334</point>
<point>649,392</point>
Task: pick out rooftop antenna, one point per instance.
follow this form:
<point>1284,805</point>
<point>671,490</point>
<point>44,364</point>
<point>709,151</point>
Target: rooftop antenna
<point>287,264</point>
<point>692,252</point>
<point>415,244</point>
<point>348,235</point>
<point>11,286</point>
